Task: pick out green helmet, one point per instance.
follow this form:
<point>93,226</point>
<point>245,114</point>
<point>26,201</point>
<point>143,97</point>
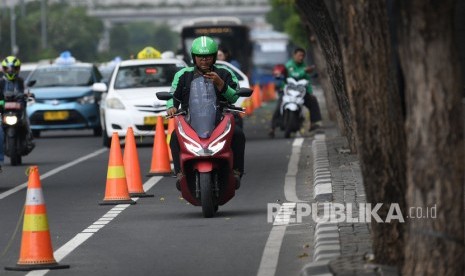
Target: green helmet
<point>11,66</point>
<point>204,45</point>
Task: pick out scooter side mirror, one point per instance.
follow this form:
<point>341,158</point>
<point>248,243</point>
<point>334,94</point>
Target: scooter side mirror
<point>244,92</point>
<point>164,96</point>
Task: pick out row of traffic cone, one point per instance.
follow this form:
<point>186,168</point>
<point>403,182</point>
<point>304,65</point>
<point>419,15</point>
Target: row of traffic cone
<point>259,96</point>
<point>123,182</point>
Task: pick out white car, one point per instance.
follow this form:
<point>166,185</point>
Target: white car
<point>242,78</point>
<point>130,100</point>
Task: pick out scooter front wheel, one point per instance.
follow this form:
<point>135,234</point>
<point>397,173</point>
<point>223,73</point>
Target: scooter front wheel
<point>206,195</point>
<point>13,151</point>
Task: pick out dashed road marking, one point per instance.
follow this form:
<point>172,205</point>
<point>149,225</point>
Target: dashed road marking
<point>80,238</point>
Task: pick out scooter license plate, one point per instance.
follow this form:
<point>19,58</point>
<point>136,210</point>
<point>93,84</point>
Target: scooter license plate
<point>56,115</point>
<point>12,105</point>
<point>152,120</point>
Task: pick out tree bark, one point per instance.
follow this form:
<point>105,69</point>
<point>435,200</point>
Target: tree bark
<point>435,155</point>
<point>315,13</point>
<point>376,117</point>
<point>377,114</point>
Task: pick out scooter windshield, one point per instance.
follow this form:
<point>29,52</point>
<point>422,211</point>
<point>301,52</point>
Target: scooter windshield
<point>202,106</point>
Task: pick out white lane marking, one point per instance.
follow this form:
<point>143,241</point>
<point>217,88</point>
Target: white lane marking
<point>52,172</point>
<point>269,261</point>
<point>80,238</point>
<point>292,168</point>
<point>270,255</point>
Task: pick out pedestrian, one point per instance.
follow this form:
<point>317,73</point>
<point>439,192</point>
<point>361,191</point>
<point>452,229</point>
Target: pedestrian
<point>225,55</point>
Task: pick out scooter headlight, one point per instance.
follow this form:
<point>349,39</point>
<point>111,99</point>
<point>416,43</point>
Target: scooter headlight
<point>219,143</point>
<point>191,145</point>
<point>10,119</point>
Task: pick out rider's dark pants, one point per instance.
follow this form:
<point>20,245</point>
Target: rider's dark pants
<point>310,102</point>
<point>237,146</point>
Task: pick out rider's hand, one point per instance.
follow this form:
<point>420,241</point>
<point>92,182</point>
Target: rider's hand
<point>171,111</point>
<point>310,69</point>
<point>217,81</point>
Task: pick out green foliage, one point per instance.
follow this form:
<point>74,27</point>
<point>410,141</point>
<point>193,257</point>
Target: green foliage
<point>284,18</point>
<point>70,28</point>
<point>129,39</point>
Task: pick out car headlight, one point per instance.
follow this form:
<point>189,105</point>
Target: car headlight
<point>114,103</point>
<point>87,100</point>
<point>10,119</point>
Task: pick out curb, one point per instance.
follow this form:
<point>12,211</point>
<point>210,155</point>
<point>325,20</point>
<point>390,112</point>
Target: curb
<point>327,245</point>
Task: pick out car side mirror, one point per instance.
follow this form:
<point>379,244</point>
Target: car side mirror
<point>99,87</point>
<point>31,83</point>
<point>164,96</point>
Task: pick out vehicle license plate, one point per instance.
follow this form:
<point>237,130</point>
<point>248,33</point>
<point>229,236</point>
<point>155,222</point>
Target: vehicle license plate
<point>12,105</point>
<point>152,120</point>
<point>56,115</point>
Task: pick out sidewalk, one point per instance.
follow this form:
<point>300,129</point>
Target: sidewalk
<point>340,248</point>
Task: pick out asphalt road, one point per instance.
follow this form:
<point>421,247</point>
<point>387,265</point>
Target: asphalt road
<point>162,235</point>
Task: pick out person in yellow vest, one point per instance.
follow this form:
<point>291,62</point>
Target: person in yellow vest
<point>148,52</point>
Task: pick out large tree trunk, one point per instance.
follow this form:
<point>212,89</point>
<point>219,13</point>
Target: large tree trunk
<point>330,99</point>
<point>376,109</point>
<point>378,118</point>
<point>435,156</point>
<point>315,13</point>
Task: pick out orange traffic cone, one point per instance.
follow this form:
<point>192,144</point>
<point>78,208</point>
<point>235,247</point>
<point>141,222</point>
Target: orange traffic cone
<point>36,244</point>
<point>116,191</point>
<point>266,93</point>
<point>248,106</point>
<point>171,126</point>
<point>272,91</point>
<point>256,97</point>
<point>160,159</point>
<point>132,167</point>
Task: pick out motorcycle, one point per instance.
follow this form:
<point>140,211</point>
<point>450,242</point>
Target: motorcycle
<point>208,179</point>
<point>292,116</point>
<point>15,126</point>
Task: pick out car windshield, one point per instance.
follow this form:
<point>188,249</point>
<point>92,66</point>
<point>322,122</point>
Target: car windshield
<point>146,75</point>
<point>62,76</point>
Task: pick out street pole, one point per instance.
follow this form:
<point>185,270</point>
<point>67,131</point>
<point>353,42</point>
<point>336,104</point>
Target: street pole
<point>14,47</point>
<point>43,11</point>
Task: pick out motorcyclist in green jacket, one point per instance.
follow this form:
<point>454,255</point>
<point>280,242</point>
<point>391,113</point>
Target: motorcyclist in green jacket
<point>297,69</point>
<point>215,80</point>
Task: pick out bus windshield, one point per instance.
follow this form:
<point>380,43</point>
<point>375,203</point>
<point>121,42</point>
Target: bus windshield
<point>227,33</point>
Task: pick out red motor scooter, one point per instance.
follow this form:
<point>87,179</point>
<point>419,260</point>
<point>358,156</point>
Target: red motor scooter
<point>207,163</point>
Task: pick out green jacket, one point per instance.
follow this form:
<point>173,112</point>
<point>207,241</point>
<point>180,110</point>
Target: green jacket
<point>180,86</point>
<point>297,71</point>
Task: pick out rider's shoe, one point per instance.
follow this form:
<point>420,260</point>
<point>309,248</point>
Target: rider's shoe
<point>237,176</point>
<point>271,133</point>
<point>178,180</point>
<point>314,126</point>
